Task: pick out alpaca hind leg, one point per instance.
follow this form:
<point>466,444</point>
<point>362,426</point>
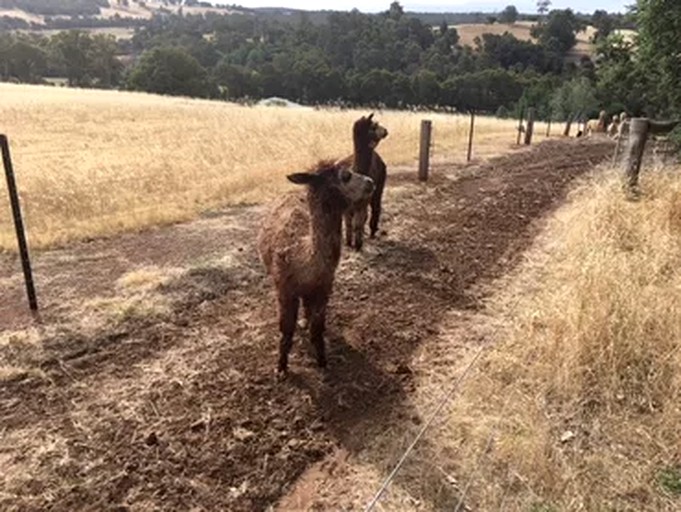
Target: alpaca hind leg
<point>375,211</point>
<point>358,226</point>
<point>317,307</point>
<point>288,316</point>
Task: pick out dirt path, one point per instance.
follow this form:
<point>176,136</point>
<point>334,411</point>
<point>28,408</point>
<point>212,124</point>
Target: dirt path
<point>183,411</point>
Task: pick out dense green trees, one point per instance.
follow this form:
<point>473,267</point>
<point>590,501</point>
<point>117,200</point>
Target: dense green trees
<point>659,53</point>
<point>85,60</point>
<point>171,71</point>
<point>392,58</point>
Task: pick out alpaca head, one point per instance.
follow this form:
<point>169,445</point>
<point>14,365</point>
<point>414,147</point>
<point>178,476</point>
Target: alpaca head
<point>337,186</point>
<point>368,131</point>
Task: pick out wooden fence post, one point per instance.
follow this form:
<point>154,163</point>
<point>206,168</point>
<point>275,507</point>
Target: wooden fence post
<point>18,224</point>
<point>568,124</point>
<point>470,136</point>
<point>638,135</point>
<point>530,126</point>
<point>520,126</point>
<point>424,150</point>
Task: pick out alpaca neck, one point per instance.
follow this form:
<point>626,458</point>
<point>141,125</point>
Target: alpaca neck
<point>325,222</point>
<point>363,155</point>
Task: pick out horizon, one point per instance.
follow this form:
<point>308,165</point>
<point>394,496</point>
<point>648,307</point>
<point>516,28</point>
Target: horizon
<point>453,6</point>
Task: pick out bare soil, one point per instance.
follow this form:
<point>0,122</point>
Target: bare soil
<point>183,411</point>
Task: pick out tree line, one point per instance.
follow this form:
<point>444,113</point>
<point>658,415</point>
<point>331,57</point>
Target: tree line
<point>392,58</point>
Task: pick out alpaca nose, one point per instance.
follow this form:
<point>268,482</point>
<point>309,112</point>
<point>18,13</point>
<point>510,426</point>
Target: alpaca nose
<point>369,186</point>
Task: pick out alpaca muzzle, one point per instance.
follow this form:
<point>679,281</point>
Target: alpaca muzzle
<point>368,187</point>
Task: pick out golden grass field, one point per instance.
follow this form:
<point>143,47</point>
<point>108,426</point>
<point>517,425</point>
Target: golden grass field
<point>582,394</point>
<point>92,163</point>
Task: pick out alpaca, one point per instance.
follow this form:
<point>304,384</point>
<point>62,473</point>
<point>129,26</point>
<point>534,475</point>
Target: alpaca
<point>300,245</point>
<point>613,129</point>
<point>623,128</point>
<point>597,125</point>
<point>366,135</point>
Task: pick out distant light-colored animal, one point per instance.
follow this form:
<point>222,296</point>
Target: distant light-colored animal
<point>597,125</point>
<point>623,127</point>
<point>366,135</point>
<point>300,245</point>
<point>613,129</point>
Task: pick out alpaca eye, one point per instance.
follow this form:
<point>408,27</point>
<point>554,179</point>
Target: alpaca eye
<point>345,176</point>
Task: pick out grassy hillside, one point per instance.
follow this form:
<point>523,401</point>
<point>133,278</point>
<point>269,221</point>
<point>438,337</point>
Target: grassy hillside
<point>521,30</point>
<point>98,162</point>
<point>35,12</point>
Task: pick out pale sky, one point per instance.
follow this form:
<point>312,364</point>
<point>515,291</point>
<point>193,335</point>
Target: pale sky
<point>524,6</point>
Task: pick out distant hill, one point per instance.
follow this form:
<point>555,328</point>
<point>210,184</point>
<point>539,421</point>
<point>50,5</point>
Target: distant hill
<point>43,12</point>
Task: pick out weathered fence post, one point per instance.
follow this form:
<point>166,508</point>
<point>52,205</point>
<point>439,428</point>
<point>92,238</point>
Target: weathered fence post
<point>622,131</point>
<point>18,224</point>
<point>424,150</point>
<point>470,136</point>
<point>520,126</point>
<point>638,135</point>
<point>548,127</point>
<point>530,126</point>
<point>568,124</point>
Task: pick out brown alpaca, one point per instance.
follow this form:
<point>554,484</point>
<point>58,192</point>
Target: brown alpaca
<point>366,135</point>
<point>300,245</point>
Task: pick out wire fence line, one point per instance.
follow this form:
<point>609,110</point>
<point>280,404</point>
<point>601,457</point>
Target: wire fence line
<point>431,418</point>
<point>440,404</point>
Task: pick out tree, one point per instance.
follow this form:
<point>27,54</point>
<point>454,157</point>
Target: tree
<point>603,23</point>
<point>395,12</point>
<point>559,32</point>
<point>575,96</point>
<point>509,15</point>
<point>170,71</point>
<point>543,6</point>
<point>659,24</point>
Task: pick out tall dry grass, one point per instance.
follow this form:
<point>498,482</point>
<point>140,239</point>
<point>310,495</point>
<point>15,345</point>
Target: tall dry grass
<point>582,399</point>
<point>94,163</point>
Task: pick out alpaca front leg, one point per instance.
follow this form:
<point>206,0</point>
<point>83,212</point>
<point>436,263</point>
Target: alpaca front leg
<point>348,228</point>
<point>288,316</point>
<point>317,308</point>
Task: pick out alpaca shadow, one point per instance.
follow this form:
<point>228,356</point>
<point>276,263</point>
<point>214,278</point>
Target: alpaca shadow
<point>395,254</point>
<point>356,399</point>
<point>352,392</point>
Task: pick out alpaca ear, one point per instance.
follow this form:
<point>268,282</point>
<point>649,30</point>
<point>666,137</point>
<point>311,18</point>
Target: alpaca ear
<point>370,116</point>
<point>302,178</point>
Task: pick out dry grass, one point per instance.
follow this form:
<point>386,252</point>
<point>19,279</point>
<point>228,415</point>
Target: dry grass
<point>585,389</point>
<point>93,163</point>
<point>521,30</point>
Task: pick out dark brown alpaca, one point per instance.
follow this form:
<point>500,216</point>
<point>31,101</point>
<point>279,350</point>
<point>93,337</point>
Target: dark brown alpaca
<point>300,245</point>
<point>366,135</point>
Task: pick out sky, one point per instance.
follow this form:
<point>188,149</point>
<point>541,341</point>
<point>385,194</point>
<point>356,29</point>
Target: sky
<point>525,6</point>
